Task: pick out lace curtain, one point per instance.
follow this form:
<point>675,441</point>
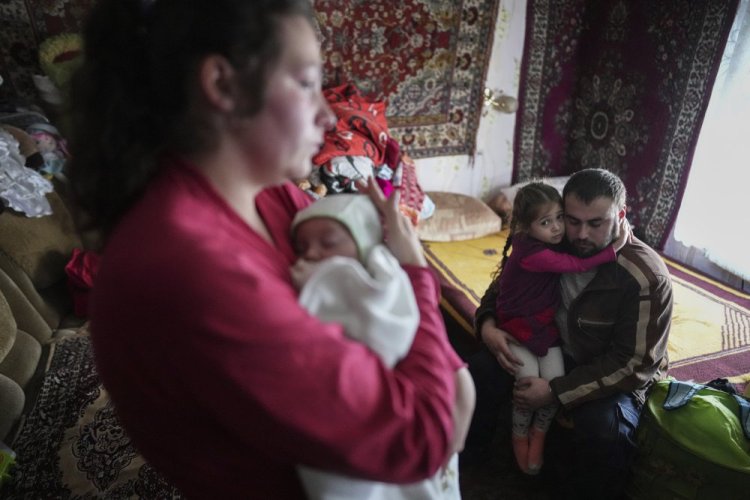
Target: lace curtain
<point>713,214</point>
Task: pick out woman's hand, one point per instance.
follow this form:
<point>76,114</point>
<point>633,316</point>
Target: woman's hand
<point>463,409</point>
<point>498,342</point>
<point>400,235</point>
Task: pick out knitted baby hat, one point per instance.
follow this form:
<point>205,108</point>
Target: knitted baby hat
<point>355,211</point>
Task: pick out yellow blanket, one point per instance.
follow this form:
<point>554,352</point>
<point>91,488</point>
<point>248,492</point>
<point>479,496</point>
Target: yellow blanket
<point>710,334</point>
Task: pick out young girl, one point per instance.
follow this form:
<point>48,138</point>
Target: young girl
<point>528,296</point>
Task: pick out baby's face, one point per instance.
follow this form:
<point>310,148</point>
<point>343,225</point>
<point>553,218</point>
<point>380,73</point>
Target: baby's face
<point>320,238</point>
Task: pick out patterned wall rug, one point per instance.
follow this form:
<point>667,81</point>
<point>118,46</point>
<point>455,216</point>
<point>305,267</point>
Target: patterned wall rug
<point>621,85</point>
<point>428,59</point>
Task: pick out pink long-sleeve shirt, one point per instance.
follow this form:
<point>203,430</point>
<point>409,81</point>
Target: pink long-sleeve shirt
<point>225,383</point>
<point>529,285</point>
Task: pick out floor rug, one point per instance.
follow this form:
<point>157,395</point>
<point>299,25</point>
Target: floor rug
<point>712,325</point>
<point>710,333</point>
<point>71,444</point>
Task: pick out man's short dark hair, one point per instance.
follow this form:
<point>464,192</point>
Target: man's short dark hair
<point>591,183</point>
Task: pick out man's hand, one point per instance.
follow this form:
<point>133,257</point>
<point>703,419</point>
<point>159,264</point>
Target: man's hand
<point>498,341</point>
<point>531,393</point>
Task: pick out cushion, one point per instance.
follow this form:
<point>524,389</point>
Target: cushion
<point>458,217</point>
<point>41,246</point>
<point>22,360</point>
<point>12,400</point>
<point>7,328</point>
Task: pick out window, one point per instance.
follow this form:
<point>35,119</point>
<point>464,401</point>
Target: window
<point>715,216</point>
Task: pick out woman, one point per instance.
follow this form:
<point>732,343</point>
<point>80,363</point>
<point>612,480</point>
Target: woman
<point>189,116</point>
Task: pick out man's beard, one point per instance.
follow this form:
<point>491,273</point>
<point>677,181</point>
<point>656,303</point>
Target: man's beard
<point>585,248</point>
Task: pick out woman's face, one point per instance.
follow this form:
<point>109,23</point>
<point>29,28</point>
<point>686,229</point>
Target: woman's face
<point>287,132</point>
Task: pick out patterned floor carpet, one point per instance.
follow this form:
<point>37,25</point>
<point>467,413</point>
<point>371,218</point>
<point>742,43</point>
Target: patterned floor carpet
<point>73,447</point>
<point>493,475</point>
<point>497,477</point>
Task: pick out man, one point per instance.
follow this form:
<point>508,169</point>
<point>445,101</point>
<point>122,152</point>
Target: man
<point>614,324</point>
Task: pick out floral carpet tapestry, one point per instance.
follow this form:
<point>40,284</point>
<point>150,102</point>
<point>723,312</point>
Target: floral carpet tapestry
<point>620,85</point>
<point>427,59</point>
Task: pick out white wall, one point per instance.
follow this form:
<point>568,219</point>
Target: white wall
<point>493,161</point>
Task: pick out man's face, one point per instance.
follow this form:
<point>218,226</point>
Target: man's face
<point>591,227</point>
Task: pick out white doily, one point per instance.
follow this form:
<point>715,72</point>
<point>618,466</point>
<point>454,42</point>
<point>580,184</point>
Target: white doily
<point>21,188</point>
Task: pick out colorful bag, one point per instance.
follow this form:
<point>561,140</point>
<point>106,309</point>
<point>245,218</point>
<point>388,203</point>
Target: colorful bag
<point>693,441</point>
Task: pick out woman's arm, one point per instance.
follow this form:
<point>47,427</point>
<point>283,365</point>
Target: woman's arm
<point>297,390</point>
<point>464,408</point>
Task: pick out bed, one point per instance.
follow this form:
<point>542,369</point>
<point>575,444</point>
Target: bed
<point>710,334</point>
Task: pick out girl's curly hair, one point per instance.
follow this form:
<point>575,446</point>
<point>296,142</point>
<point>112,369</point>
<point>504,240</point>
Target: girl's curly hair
<point>529,199</point>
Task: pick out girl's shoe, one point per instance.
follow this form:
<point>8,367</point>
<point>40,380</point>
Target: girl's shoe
<point>521,451</point>
<point>536,449</point>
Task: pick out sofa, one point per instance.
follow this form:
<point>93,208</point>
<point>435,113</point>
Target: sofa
<point>54,413</point>
<point>36,309</point>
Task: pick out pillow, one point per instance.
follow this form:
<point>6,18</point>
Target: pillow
<point>39,246</point>
<point>458,217</point>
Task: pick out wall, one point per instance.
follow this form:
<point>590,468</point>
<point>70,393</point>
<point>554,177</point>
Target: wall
<point>32,20</point>
<point>492,164</point>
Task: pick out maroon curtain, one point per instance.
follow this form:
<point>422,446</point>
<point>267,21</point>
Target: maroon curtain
<point>621,85</point>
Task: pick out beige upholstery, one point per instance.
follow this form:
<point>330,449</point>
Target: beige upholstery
<point>19,355</point>
<point>33,254</point>
<point>8,330</point>
<point>35,306</point>
<point>12,400</point>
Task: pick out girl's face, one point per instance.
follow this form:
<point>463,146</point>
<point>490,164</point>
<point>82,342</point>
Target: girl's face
<point>549,226</point>
<point>287,132</point>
